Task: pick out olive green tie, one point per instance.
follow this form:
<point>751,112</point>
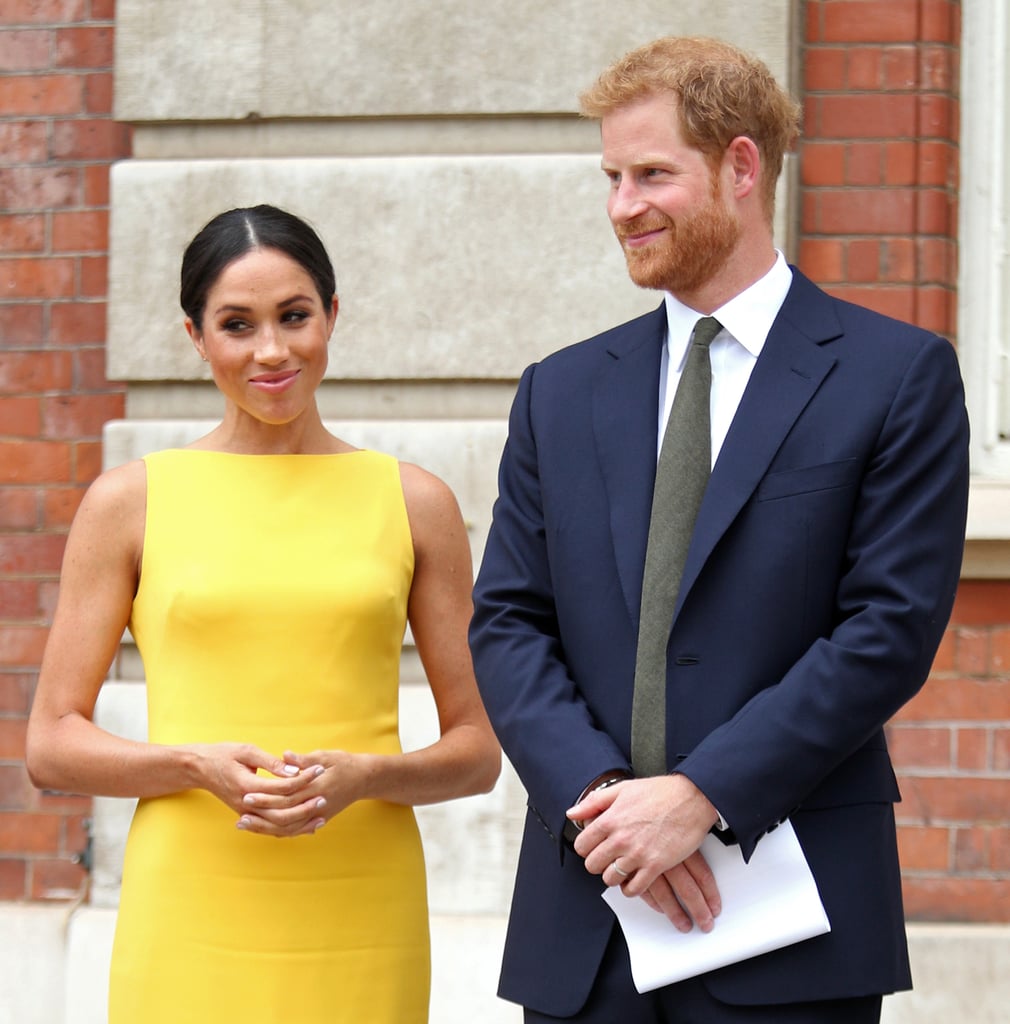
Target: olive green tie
<point>682,473</point>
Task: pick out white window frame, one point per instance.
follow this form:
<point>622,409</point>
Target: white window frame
<point>984,234</point>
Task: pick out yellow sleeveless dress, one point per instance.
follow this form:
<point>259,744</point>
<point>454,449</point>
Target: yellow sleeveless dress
<point>271,610</point>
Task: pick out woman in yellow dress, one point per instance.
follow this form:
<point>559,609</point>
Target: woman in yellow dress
<point>267,573</point>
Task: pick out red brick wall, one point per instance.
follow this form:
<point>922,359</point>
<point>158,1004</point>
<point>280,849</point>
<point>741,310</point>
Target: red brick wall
<point>878,180</point>
<point>57,139</point>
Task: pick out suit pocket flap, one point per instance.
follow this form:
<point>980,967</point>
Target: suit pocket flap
<point>824,477</point>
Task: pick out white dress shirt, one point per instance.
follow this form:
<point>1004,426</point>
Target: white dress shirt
<point>746,320</point>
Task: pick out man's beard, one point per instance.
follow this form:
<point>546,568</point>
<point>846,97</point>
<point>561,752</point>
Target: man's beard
<point>690,252</point>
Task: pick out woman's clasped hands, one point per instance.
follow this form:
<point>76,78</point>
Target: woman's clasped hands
<point>287,796</point>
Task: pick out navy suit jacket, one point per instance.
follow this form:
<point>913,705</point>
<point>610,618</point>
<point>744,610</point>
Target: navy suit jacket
<point>820,578</point>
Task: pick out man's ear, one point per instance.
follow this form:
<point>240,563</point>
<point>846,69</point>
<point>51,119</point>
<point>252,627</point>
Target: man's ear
<point>744,159</point>
<point>196,336</point>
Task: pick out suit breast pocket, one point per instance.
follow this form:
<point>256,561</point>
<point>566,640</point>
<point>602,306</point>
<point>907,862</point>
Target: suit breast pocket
<point>827,476</point>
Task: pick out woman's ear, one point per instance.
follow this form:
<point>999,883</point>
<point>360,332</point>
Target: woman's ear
<point>332,312</point>
<point>196,336</point>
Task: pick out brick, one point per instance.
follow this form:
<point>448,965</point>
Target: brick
<point>824,69</point>
<point>939,21</point>
<point>901,163</point>
<point>944,660</point>
<point>96,184</point>
<point>81,231</point>
<point>38,188</point>
<point>936,115</point>
<point>937,163</point>
<point>863,263</point>
<point>24,142</point>
<point>77,417</point>
<point>87,461</point>
<point>21,646</point>
<point>40,12</point>
<point>890,300</point>
<point>36,277</point>
<point>84,46</point>
<point>935,212</point>
<point>878,116</point>
<point>57,879</point>
<point>962,800</point>
<point>22,233</point>
<point>814,22</point>
<point>822,163</point>
<point>90,139</point>
<point>19,600</point>
<point>923,849</point>
<point>25,50</point>
<point>16,791</point>
<point>32,372</point>
<point>94,276</point>
<point>960,900</point>
<point>99,92</point>
<point>19,417</point>
<point>999,650</point>
<point>864,163</point>
<point>90,372</point>
<point>12,739</point>
<point>864,68</point>
<point>13,875</point>
<point>822,259</point>
<point>28,554</point>
<point>915,747</point>
<point>49,591</point>
<point>936,261</point>
<point>59,506</point>
<point>20,324</point>
<point>936,310</point>
<point>959,699</point>
<point>41,95</point>
<point>900,68</point>
<point>16,691</point>
<point>77,323</point>
<point>982,603</point>
<point>972,750</point>
<point>33,462</point>
<point>869,21</point>
<point>18,511</point>
<point>934,68</point>
<point>1001,749</point>
<point>999,849</point>
<point>866,211</point>
<point>103,10</point>
<point>67,805</point>
<point>30,833</point>
<point>898,260</point>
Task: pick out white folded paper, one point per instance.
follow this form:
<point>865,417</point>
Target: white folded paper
<point>766,904</point>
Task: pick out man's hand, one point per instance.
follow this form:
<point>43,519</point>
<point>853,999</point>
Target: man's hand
<point>644,835</point>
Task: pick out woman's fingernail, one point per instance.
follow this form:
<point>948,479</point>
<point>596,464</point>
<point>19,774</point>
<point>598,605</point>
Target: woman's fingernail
<point>291,769</point>
<point>321,802</point>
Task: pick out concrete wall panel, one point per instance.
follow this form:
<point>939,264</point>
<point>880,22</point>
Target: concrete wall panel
<point>253,59</point>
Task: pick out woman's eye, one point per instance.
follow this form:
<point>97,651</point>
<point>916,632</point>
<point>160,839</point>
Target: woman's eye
<point>295,316</point>
<point>233,326</point>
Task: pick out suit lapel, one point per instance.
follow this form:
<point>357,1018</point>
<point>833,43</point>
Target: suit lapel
<point>625,418</point>
<point>787,375</point>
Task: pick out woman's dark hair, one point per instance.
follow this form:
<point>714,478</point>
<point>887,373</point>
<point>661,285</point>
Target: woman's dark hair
<point>234,233</point>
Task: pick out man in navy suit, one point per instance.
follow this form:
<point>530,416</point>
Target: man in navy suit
<point>820,575</point>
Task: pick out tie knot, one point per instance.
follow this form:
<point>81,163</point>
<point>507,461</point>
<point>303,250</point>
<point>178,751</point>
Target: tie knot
<point>705,330</point>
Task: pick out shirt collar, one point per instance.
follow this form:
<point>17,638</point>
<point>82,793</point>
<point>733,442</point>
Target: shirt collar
<point>748,317</point>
